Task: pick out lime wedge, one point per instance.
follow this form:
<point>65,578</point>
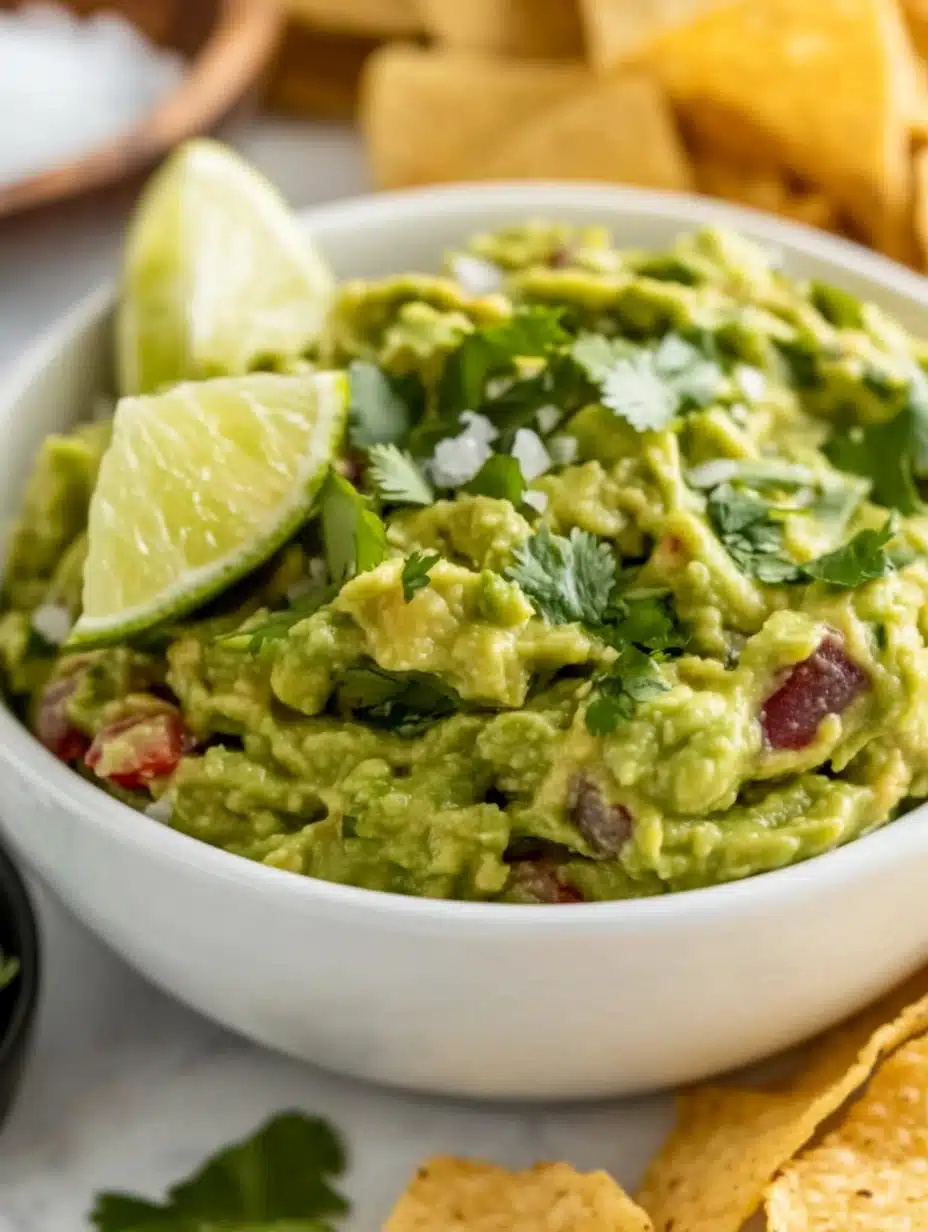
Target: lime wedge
<point>219,277</point>
<point>198,487</point>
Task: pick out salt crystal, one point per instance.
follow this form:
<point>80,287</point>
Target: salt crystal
<point>529,451</point>
<point>68,86</point>
<point>52,621</point>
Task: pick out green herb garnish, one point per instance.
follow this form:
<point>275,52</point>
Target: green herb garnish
<point>889,454</point>
<point>500,477</point>
<point>277,1181</point>
<point>404,702</point>
<point>567,579</point>
<point>752,537</point>
<point>277,625</point>
<point>633,679</point>
<point>354,537</point>
<point>416,572</point>
<point>864,558</point>
<point>377,414</point>
<point>396,478</point>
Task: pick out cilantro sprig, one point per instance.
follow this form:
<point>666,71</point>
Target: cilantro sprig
<point>377,413</point>
<point>566,579</point>
<point>864,558</point>
<point>277,625</point>
<point>404,702</point>
<point>354,538</point>
<point>633,679</point>
<point>416,572</point>
<point>282,1175</point>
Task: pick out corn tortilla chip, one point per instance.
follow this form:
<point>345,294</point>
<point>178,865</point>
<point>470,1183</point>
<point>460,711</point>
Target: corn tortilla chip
<point>456,1193</point>
<point>825,89</point>
<point>764,188</point>
<point>729,1142</point>
<point>621,130</point>
<point>319,74</point>
<point>916,16</point>
<point>545,28</point>
<point>871,1174</point>
<point>921,202</point>
<point>427,114</point>
<point>365,17</point>
<point>619,30</point>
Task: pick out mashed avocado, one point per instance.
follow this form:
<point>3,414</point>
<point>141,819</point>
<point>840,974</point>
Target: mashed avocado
<point>619,587</point>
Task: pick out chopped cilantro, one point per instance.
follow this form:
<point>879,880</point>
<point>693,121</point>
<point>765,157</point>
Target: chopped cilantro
<point>354,537</point>
<point>280,1176</point>
<point>278,624</point>
<point>649,386</point>
<point>500,477</point>
<point>416,572</point>
<point>838,307</point>
<point>646,620</point>
<point>568,579</point>
<point>404,702</point>
<point>530,333</point>
<point>377,414</point>
<point>863,559</point>
<point>9,969</point>
<point>396,478</point>
<point>752,537</point>
<point>888,454</point>
<point>633,679</point>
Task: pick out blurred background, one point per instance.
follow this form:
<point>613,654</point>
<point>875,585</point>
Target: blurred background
<point>817,112</point>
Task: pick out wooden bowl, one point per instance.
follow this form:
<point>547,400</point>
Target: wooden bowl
<point>229,44</point>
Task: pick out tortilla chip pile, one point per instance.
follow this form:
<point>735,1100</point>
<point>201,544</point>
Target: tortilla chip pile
<point>813,109</point>
<point>841,1147</point>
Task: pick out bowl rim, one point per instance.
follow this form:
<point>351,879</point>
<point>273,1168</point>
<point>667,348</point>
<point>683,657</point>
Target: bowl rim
<point>25,989</point>
<point>82,800</point>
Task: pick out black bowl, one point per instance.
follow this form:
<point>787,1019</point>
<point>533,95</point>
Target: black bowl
<point>18,937</point>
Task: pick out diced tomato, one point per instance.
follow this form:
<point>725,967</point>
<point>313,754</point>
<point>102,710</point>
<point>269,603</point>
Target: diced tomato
<point>52,725</point>
<point>825,683</point>
<point>133,751</point>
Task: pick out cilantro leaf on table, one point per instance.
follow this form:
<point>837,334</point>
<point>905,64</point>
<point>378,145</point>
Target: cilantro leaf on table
<point>864,558</point>
<point>353,536</point>
<point>377,414</point>
<point>404,702</point>
<point>9,969</point>
<point>280,1177</point>
<point>500,477</point>
<point>416,572</point>
<point>530,333</point>
<point>631,680</point>
<point>396,478</point>
<point>567,579</point>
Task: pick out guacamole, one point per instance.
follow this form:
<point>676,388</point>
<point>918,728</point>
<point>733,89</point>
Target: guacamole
<point>617,587</point>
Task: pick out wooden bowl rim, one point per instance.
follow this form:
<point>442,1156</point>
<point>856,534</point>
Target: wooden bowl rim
<point>237,51</point>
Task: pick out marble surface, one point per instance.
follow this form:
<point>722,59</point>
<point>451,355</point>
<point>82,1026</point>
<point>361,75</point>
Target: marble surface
<point>127,1089</point>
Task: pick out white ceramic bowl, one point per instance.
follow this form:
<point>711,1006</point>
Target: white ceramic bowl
<point>473,999</point>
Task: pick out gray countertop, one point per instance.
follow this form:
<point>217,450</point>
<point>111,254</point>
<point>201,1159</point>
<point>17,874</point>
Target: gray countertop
<point>128,1089</point>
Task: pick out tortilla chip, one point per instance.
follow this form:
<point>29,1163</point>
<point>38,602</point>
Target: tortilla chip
<point>427,114</point>
<point>871,1174</point>
<point>365,17</point>
<point>619,30</point>
<point>456,1193</point>
<point>825,89</point>
<point>622,131</point>
<point>546,28</point>
<point>916,17</point>
<point>765,188</point>
<point>319,74</point>
<point>729,1142</point>
<point>920,161</point>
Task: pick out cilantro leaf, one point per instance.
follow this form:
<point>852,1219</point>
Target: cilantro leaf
<point>649,386</point>
<point>863,559</point>
<point>633,679</point>
<point>753,539</point>
<point>416,572</point>
<point>377,414</point>
<point>888,455</point>
<point>354,538</point>
<point>404,702</point>
<point>396,478</point>
<point>280,1175</point>
<point>500,477</point>
<point>278,624</point>
<point>529,333</point>
<point>9,969</point>
<point>567,580</point>
<point>647,621</point>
